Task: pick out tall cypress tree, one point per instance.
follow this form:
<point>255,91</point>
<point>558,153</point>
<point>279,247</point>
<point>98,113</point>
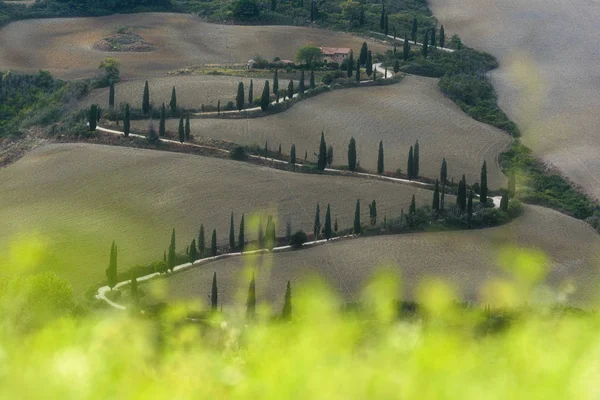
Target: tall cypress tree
<point>444,172</point>
<point>213,243</point>
<point>470,206</point>
<point>350,65</point>
<point>410,170</point>
<point>380,158</point>
<point>483,191</point>
<point>317,223</point>
<point>357,75</point>
<point>251,301</point>
<point>414,30</point>
<point>382,18</point>
<point>181,130</point>
<point>352,155</point>
<point>373,212</point>
<point>187,127</point>
<point>231,234</point>
<point>290,90</point>
<point>462,194</point>
<point>111,271</point>
<point>313,11</point>
<point>251,92</point>
<point>162,124</point>
<point>435,204</point>
<point>330,155</point>
<point>312,80</point>
<point>239,99</point>
<point>327,230</point>
<point>442,37</point>
<point>357,229</point>
<point>214,294</point>
<point>146,99</point>
<point>405,48</point>
<point>432,37</point>
<point>293,155</point>
<point>396,66</point>
<point>385,25</point>
<point>425,47</point>
<point>412,210</point>
<point>286,312</point>
<point>369,66</point>
<point>173,102</point>
<point>264,98</point>
<point>201,242</point>
<point>93,117</point>
<point>126,121</point>
<point>241,235</point>
<point>301,83</point>
<point>276,85</point>
<point>111,96</point>
<point>416,159</point>
<point>322,161</point>
<point>363,54</point>
<point>193,253</point>
<point>171,260</point>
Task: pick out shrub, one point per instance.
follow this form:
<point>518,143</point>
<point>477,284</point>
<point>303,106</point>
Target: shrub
<point>239,153</point>
<point>298,239</point>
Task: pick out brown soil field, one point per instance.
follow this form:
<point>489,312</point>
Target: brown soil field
<point>63,204</point>
<point>65,46</point>
<point>192,91</point>
<point>553,95</point>
<point>466,260</point>
<point>397,114</point>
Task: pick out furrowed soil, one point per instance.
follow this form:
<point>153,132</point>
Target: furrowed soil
<point>64,204</point>
<point>65,47</point>
<point>548,79</point>
<point>397,114</point>
<point>466,260</point>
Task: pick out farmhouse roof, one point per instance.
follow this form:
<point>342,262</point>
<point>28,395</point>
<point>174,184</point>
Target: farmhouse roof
<point>327,51</point>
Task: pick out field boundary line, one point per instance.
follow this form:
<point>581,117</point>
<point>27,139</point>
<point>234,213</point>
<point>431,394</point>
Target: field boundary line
<point>401,40</point>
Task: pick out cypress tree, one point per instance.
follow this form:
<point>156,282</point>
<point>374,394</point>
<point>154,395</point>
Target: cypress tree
<point>251,301</point>
<point>241,237</point>
<point>301,83</point>
<point>483,191</point>
<point>273,5</point>
<point>412,210</point>
<point>279,151</point>
<point>213,243</point>
<point>162,124</point>
<point>317,224</point>
<point>416,159</point>
<point>264,98</point>
<point>425,48</point>
<point>293,155</point>
<point>374,74</point>
<point>290,90</point>
<point>187,127</point>
<point>470,206</point>
<point>288,230</point>
<point>335,226</point>
<point>435,205</point>
<point>111,271</point>
<point>414,30</point>
<point>322,161</point>
<point>444,172</point>
<point>410,170</point>
<point>504,203</point>
<point>251,92</point>
<point>126,121</point>
<point>363,54</point>
<point>93,117</point>
<point>382,18</point>
<point>432,37</point>
<point>380,159</point>
<point>313,11</point>
<point>357,75</point>
<point>330,155</point>
<point>201,241</point>
<point>146,99</point>
<point>512,184</point>
<point>286,312</point>
<point>312,79</point>
<point>352,155</point>
<point>231,234</point>
<point>173,102</point>
<point>181,130</point>
<point>239,99</point>
<point>276,85</point>
<point>327,230</point>
<point>442,37</point>
<point>396,66</point>
<point>193,252</point>
<point>462,194</point>
<point>442,197</point>
<point>357,228</point>
<point>266,148</point>
<point>305,155</point>
<point>369,66</point>
<point>171,260</point>
<point>405,48</point>
<point>214,294</point>
<point>385,25</point>
<point>350,65</point>
<point>373,212</point>
<point>111,96</point>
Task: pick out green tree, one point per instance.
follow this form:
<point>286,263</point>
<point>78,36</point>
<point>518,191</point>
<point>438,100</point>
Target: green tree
<point>373,212</point>
<point>201,241</point>
<point>504,203</point>
<point>432,37</point>
<point>410,168</point>
<point>93,117</point>
<point>162,124</point>
<point>231,234</point>
<point>193,253</point>
<point>111,96</point>
<point>405,48</point>
<point>363,54</point>
<point>425,47</point>
<point>126,121</point>
<point>173,102</point>
<point>444,172</point>
<point>322,160</point>
<point>416,159</point>
<point>414,30</point>
<point>396,66</point>
<point>109,68</point>
<point>412,210</point>
<point>369,66</point>
<point>111,271</point>
<point>213,243</point>
<point>483,191</point>
<point>251,301</point>
<point>290,90</point>
<point>380,158</point>
<point>146,99</point>
<point>301,83</point>
<point>357,75</point>
<point>330,155</point>
<point>293,155</point>
<point>461,198</point>
<point>171,260</point>
<point>382,18</point>
<point>214,294</point>
<point>241,237</point>
<point>352,155</point>
<point>435,204</point>
<point>251,92</point>
<point>442,36</point>
<point>470,206</point>
<point>276,85</point>
<point>335,226</point>
<point>239,99</point>
<point>181,130</point>
<point>264,98</point>
<point>273,5</point>
<point>308,55</point>
<point>187,127</point>
<point>385,25</point>
<point>286,312</point>
<point>327,230</point>
<point>312,80</point>
<point>357,229</point>
<point>317,224</point>
<point>350,65</point>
